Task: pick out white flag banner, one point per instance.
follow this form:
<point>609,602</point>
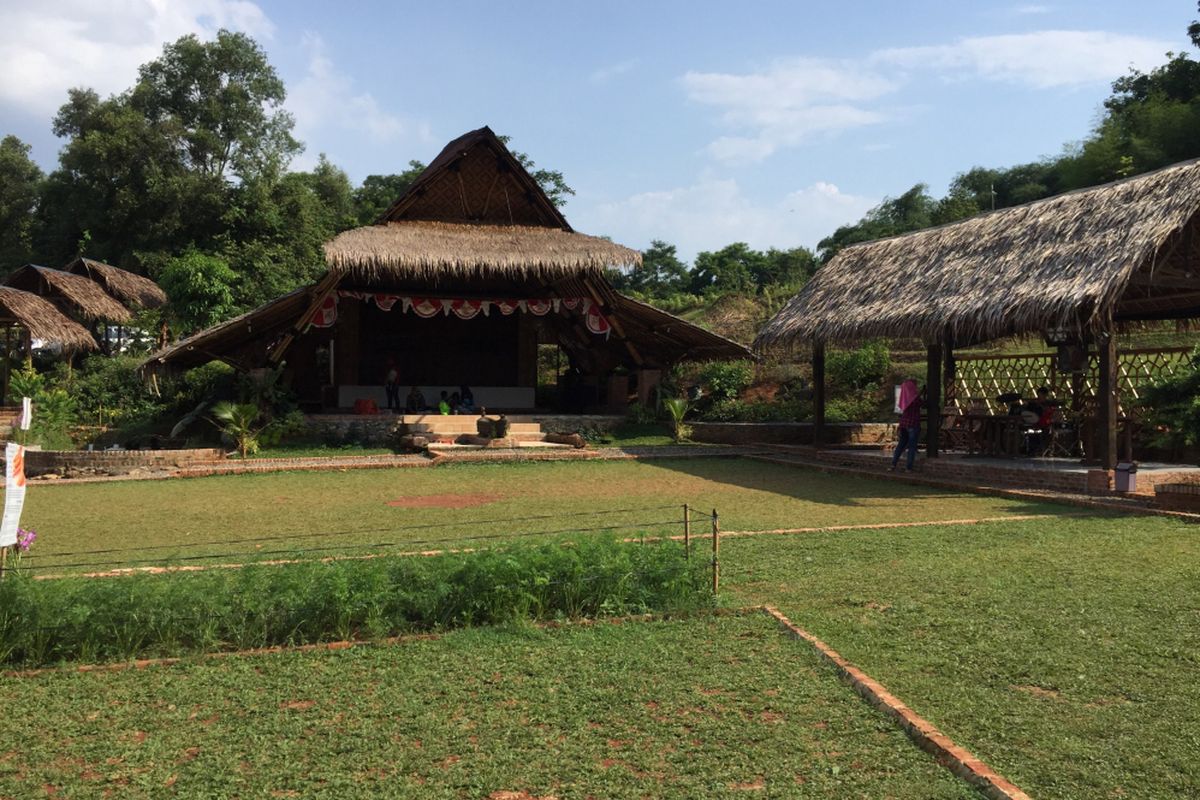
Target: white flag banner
<point>26,413</point>
<point>14,493</point>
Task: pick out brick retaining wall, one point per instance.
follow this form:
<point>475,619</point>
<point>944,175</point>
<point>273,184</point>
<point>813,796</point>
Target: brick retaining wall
<point>114,462</point>
<point>792,432</point>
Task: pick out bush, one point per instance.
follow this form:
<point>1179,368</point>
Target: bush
<point>858,370</point>
<point>109,390</point>
<point>761,411</point>
<point>1173,406</point>
<point>70,619</point>
<point>726,379</point>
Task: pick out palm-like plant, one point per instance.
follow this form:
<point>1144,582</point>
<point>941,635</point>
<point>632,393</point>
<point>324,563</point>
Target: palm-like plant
<point>677,408</point>
<point>239,421</point>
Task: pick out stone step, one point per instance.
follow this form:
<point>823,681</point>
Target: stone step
<point>468,427</point>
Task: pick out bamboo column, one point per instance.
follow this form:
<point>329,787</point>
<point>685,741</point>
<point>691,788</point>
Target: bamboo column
<point>933,398</point>
<point>1106,398</point>
<point>716,564</point>
<point>818,385</point>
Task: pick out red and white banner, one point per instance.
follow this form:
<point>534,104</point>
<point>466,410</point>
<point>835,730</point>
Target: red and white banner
<point>465,308</point>
<point>326,315</point>
<point>14,493</point>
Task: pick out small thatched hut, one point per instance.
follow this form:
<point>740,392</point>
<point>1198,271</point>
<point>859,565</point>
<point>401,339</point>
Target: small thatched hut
<point>75,295</point>
<point>39,319</point>
<point>133,290</point>
<point>1072,267</point>
<point>458,283</point>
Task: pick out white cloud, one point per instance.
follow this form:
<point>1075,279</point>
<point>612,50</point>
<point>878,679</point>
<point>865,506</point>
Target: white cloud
<point>326,101</point>
<point>607,73</point>
<point>48,48</point>
<point>787,104</point>
<point>1042,59</point>
<point>792,101</point>
<point>713,213</point>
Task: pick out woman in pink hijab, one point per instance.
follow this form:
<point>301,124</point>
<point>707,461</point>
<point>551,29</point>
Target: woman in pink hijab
<point>910,423</point>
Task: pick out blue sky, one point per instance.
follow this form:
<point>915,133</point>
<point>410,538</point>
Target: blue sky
<point>697,123</point>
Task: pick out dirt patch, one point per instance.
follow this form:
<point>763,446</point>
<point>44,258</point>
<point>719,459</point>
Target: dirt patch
<point>1038,691</point>
<point>444,501</point>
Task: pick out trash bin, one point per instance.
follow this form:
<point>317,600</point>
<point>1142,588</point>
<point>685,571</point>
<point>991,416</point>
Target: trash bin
<point>1126,476</point>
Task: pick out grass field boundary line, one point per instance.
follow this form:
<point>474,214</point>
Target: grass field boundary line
<point>120,572</point>
<point>1080,501</point>
<point>957,759</point>
<point>319,534</point>
<point>389,641</point>
<point>369,545</point>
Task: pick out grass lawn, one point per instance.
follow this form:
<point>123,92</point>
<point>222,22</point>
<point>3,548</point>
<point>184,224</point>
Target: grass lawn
<point>1065,653</point>
<point>349,510</point>
<point>682,709</point>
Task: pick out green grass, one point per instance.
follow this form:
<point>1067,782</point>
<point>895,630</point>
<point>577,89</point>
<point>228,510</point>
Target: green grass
<point>682,709</point>
<point>140,616</point>
<point>349,511</point>
<point>1065,653</point>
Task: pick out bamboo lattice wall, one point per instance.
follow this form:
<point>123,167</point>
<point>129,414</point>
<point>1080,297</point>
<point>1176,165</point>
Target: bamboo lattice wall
<point>981,379</point>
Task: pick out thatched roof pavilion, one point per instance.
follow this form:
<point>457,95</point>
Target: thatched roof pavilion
<point>42,320</point>
<point>481,268</point>
<point>1072,267</point>
<point>135,291</point>
<point>74,294</point>
<point>1078,261</point>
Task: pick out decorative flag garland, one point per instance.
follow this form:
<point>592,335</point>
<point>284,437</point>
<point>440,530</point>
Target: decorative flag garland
<point>426,307</point>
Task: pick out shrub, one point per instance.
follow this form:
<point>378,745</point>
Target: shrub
<point>856,370</point>
<point>44,622</point>
<point>726,379</point>
<point>677,408</point>
<point>1173,406</point>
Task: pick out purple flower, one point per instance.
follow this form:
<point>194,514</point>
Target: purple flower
<point>25,539</point>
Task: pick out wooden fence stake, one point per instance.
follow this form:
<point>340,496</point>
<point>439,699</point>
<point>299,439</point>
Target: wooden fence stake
<point>716,564</point>
<point>3,561</point>
<point>687,532</point>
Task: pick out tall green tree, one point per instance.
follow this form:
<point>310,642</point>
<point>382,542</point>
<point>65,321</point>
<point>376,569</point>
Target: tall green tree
<point>728,270</point>
<point>200,290</point>
<point>20,181</point>
<point>221,102</point>
<point>377,192</point>
<point>662,273</point>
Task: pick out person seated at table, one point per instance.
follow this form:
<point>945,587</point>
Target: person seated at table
<point>1039,415</point>
<point>444,404</point>
<point>466,400</point>
<point>415,402</point>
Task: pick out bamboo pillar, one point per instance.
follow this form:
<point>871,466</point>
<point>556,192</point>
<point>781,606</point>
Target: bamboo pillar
<point>933,398</point>
<point>1106,398</point>
<point>687,532</point>
<point>950,372</point>
<point>818,384</point>
<point>716,544</point>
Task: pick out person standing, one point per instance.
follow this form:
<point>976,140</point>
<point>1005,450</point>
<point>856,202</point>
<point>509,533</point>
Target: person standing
<point>391,386</point>
<point>910,424</point>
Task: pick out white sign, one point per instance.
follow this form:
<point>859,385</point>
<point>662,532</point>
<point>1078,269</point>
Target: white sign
<point>14,493</point>
<point>26,413</point>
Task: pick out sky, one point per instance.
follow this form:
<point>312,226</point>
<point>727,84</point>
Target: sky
<point>698,123</point>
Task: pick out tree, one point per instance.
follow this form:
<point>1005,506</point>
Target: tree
<point>784,267</point>
<point>910,211</point>
<point>199,288</point>
<point>20,180</point>
<point>221,102</point>
<point>662,273</point>
<point>728,270</point>
<point>378,192</point>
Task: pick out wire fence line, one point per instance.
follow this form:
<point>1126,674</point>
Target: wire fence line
<point>179,554</point>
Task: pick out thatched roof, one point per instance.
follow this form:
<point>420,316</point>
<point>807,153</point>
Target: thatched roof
<point>133,290</point>
<point>476,179</point>
<point>223,340</point>
<point>475,210</point>
<point>1078,261</point>
<point>75,294</point>
<point>42,320</point>
<point>433,249</point>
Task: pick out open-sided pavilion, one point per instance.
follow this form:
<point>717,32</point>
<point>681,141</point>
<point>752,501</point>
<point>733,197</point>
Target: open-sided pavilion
<point>457,283</point>
<point>1075,268</point>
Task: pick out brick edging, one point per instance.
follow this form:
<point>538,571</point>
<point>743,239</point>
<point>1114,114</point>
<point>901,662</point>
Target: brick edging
<point>955,758</point>
<point>992,491</point>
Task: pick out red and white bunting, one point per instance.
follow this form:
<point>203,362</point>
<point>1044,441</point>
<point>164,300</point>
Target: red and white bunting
<point>326,315</point>
<point>465,308</point>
